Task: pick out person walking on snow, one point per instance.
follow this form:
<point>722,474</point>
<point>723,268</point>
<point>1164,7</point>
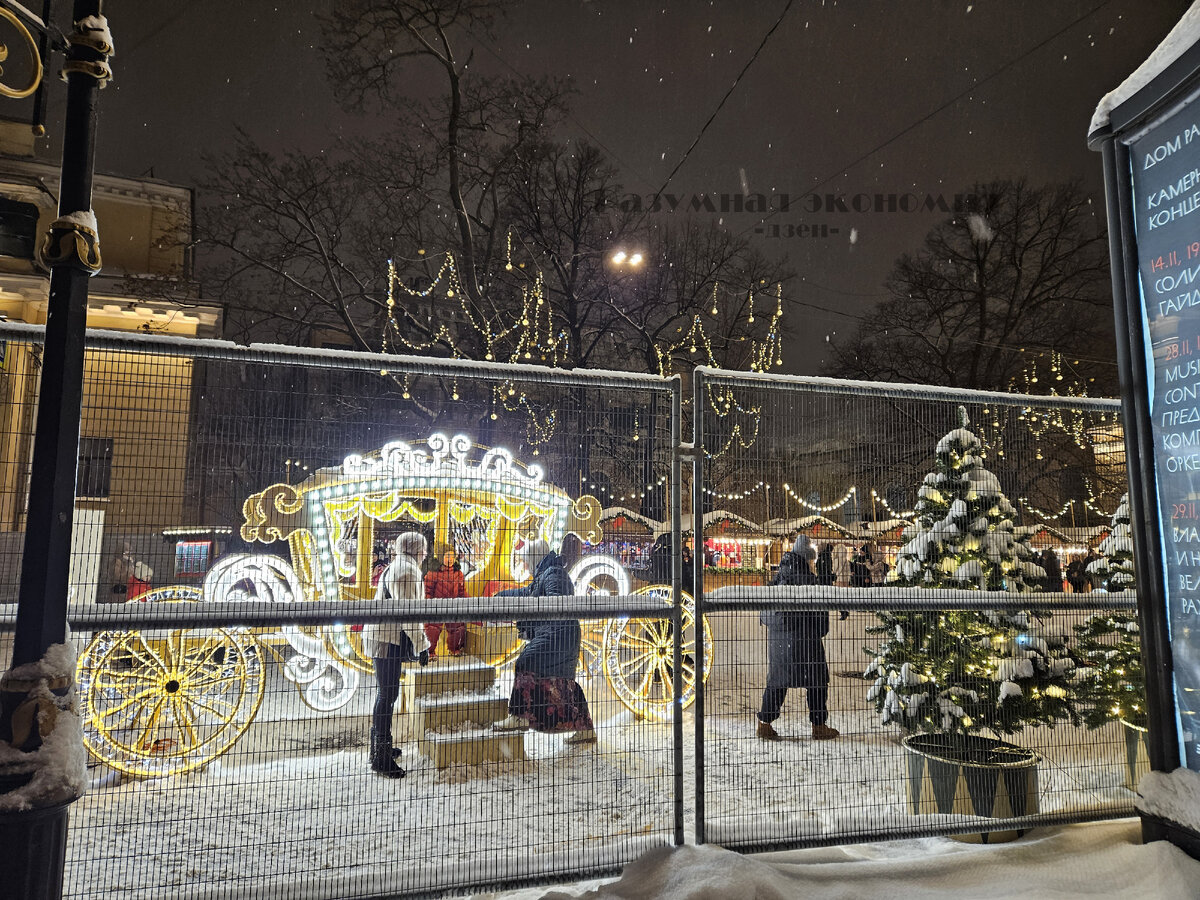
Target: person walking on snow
<point>795,650</point>
<point>391,644</point>
<point>545,695</point>
<point>446,581</point>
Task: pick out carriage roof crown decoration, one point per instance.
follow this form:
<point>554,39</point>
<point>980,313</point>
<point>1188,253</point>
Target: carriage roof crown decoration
<point>330,519</point>
<point>450,458</point>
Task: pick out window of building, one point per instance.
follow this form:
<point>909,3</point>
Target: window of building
<point>94,474</point>
<point>18,228</point>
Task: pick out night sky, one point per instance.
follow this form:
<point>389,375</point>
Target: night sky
<point>846,97</point>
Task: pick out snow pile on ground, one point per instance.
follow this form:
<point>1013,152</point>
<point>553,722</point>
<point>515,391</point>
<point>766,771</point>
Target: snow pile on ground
<point>1171,795</point>
<point>1105,859</point>
<point>336,830</point>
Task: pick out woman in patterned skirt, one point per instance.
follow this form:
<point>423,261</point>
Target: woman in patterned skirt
<point>545,695</point>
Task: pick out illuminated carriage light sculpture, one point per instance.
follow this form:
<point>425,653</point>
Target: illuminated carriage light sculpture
<point>166,702</point>
<point>327,683</point>
<point>636,654</point>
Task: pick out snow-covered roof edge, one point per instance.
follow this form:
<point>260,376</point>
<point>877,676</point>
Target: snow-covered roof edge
<point>612,512</point>
<point>1185,33</point>
<point>718,515</point>
<point>787,526</point>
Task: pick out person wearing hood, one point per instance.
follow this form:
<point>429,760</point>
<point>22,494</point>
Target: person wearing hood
<point>391,644</point>
<point>795,650</point>
<point>545,695</point>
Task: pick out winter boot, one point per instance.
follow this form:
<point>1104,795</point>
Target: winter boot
<point>766,732</point>
<point>824,733</point>
<point>383,760</point>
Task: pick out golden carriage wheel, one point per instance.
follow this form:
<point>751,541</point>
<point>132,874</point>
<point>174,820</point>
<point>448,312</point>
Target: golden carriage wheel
<point>639,660</point>
<point>160,703</point>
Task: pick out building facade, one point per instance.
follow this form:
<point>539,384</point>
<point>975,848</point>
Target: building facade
<point>137,408</point>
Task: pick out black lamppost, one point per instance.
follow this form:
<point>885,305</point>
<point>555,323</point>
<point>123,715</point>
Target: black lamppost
<point>35,690</point>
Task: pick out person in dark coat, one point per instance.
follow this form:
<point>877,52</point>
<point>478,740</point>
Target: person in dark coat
<point>688,565</point>
<point>545,695</point>
<point>860,567</point>
<point>1054,577</point>
<point>825,574</point>
<point>659,569</point>
<point>1075,575</point>
<point>795,650</point>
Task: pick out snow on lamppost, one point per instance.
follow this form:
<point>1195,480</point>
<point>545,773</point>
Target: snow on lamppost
<point>42,761</point>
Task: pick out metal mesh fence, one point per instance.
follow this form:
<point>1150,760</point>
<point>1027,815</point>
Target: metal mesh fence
<point>248,754</point>
<point>238,510</point>
<point>895,681</point>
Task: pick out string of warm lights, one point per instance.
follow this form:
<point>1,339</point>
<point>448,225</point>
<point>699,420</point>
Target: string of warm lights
<point>608,496</point>
<point>850,494</point>
<point>532,336</point>
<point>1047,516</point>
<point>895,515</point>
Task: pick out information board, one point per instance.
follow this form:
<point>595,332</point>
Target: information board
<point>1165,164</point>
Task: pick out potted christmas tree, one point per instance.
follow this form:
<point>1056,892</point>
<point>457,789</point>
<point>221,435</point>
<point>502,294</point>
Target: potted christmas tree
<point>946,676</point>
<point>1111,684</point>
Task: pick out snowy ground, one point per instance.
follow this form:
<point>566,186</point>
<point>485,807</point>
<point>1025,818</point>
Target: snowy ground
<point>292,810</point>
<point>1096,860</point>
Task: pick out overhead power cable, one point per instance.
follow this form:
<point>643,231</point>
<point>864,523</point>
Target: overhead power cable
<point>950,102</point>
<point>728,94</point>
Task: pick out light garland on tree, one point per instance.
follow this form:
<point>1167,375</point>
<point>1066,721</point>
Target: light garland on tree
<point>1113,684</point>
<point>531,336</point>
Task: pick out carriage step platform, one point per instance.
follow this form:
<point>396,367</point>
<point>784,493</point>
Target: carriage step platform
<point>439,713</point>
<point>470,747</point>
<point>444,678</point>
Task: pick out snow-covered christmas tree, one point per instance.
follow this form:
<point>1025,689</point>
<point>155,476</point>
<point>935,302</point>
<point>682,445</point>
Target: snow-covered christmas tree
<point>1111,683</point>
<point>1114,569</point>
<point>960,671</point>
<point>963,536</point>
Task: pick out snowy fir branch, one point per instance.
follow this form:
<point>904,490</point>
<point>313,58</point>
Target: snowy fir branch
<point>1111,683</point>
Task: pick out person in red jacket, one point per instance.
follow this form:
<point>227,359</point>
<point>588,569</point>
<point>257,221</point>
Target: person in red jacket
<point>446,581</point>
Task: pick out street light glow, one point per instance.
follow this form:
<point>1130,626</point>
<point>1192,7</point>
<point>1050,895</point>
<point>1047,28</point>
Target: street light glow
<point>636,259</point>
<point>618,257</point>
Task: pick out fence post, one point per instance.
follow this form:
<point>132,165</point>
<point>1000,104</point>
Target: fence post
<point>698,585</point>
<point>676,513</point>
<point>35,840</point>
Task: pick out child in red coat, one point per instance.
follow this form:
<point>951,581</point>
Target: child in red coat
<point>447,581</point>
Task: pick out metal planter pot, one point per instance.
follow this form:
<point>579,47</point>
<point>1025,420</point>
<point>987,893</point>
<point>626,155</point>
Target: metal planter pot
<point>971,775</point>
<point>1137,753</point>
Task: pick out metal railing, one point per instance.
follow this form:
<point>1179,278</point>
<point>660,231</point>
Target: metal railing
<point>197,453</point>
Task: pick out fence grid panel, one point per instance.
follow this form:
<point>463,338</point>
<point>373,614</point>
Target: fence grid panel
<point>230,752</point>
<point>924,629</point>
<point>237,506</point>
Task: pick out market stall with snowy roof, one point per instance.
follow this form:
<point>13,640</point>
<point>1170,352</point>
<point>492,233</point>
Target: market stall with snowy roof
<point>734,545</point>
<point>627,536</point>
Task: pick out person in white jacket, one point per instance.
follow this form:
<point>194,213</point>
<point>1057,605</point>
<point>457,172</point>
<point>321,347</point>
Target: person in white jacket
<point>391,644</point>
